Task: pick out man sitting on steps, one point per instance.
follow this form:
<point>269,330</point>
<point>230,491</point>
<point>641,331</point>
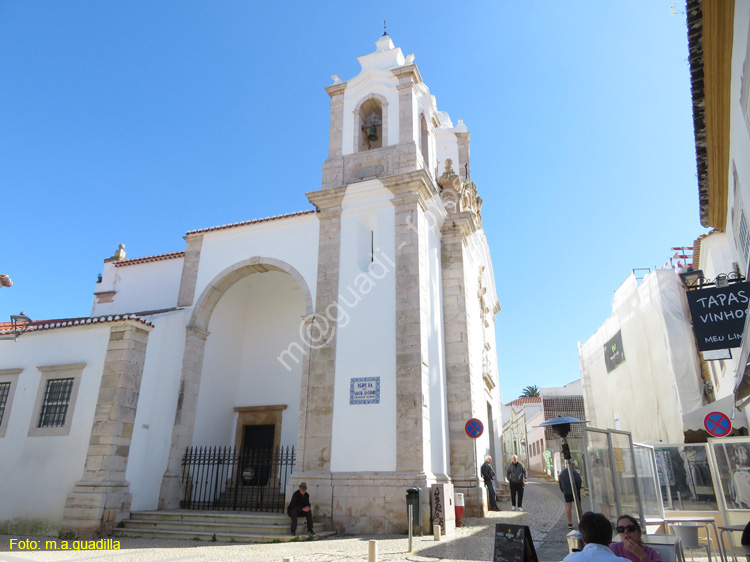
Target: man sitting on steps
<point>300,506</point>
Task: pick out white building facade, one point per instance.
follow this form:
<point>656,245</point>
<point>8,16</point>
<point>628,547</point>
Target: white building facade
<point>360,332</point>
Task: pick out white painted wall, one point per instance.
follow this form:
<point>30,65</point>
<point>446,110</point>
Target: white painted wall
<point>255,319</point>
<point>274,311</point>
<point>739,195</point>
<point>39,472</point>
<point>162,278</point>
<point>157,403</point>
<point>293,240</point>
<point>367,83</point>
<point>364,435</point>
<point>439,437</point>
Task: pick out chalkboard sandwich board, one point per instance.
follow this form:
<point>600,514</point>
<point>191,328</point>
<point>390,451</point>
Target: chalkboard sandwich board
<point>513,544</point>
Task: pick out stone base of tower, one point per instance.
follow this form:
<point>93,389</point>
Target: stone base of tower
<point>476,502</point>
<point>366,502</point>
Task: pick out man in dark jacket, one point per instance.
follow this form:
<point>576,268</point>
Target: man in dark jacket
<point>567,490</point>
<point>300,506</point>
<point>488,475</point>
<point>516,475</point>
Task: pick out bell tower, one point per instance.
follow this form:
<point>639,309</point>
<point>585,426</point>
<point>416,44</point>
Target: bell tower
<point>382,121</point>
<point>376,400</point>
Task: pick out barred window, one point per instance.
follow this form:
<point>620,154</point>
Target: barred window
<point>4,391</point>
<point>55,404</point>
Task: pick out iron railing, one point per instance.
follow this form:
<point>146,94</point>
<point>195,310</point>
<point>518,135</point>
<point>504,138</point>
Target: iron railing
<point>224,478</point>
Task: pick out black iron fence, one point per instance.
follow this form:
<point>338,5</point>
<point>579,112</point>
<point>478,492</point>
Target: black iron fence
<point>224,478</point>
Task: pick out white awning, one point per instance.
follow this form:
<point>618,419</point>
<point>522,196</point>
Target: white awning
<point>694,420</point>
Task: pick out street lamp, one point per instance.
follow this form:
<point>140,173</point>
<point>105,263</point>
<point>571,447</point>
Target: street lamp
<point>561,426</point>
<point>19,323</point>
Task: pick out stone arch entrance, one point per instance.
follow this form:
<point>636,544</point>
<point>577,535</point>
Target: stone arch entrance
<point>193,360</point>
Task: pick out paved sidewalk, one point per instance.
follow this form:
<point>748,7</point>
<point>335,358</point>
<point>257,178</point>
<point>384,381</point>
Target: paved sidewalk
<point>544,514</point>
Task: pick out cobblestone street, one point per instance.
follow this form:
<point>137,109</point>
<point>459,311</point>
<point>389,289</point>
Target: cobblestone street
<point>544,514</point>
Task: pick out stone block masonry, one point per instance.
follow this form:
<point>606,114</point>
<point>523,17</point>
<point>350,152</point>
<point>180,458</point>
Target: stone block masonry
<point>102,497</point>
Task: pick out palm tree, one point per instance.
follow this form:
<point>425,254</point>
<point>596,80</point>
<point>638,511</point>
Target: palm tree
<point>530,392</point>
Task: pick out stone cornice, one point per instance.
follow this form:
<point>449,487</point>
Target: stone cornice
<point>336,89</point>
<point>418,183</point>
<point>460,223</point>
<point>327,199</point>
<point>409,70</point>
<point>194,331</point>
<point>193,237</point>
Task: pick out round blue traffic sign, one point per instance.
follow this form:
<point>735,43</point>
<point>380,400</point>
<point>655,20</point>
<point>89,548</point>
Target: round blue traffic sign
<point>717,424</point>
<point>474,428</point>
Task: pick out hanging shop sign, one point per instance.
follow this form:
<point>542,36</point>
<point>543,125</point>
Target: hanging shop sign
<point>719,315</point>
<point>614,354</point>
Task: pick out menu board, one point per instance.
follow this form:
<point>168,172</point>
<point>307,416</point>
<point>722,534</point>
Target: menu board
<point>513,544</point>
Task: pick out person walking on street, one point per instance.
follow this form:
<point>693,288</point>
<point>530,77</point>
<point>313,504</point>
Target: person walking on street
<point>567,490</point>
<point>517,477</point>
<point>488,475</point>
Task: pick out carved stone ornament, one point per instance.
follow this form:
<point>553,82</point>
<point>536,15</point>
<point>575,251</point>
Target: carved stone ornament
<point>457,195</point>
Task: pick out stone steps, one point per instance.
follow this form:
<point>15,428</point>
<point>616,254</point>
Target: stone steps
<point>231,526</point>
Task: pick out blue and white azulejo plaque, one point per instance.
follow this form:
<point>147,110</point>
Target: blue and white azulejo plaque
<point>365,390</point>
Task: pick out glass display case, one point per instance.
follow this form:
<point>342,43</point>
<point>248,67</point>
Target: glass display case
<point>685,478</point>
<point>732,465</point>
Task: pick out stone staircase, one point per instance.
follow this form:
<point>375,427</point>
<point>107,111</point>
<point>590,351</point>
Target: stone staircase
<point>268,498</point>
<point>225,526</point>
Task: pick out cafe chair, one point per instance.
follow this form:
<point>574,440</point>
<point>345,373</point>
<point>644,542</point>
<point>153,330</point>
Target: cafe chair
<point>689,539</point>
<point>669,547</point>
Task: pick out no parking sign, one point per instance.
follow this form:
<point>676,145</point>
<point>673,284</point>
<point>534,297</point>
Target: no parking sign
<point>717,424</point>
<point>474,428</point>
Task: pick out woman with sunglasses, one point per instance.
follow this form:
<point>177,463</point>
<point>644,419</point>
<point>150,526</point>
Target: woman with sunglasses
<point>631,546</point>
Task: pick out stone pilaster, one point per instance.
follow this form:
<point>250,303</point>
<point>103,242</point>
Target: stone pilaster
<point>314,441</point>
<point>335,136</point>
<point>463,154</point>
<point>190,269</point>
<point>406,110</point>
<point>457,360</point>
<point>102,497</point>
<point>412,319</point>
<point>184,422</point>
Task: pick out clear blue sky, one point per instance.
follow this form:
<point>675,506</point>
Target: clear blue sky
<point>135,122</point>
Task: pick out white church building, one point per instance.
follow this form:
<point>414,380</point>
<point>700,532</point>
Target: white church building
<point>359,333</point>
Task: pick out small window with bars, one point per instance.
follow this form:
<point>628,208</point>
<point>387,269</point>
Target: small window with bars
<point>4,392</point>
<point>56,401</point>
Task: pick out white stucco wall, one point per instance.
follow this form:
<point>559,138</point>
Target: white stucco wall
<point>739,133</point>
<point>439,438</point>
<point>293,240</point>
<point>157,403</point>
<point>255,319</point>
<point>161,277</point>
<point>39,472</point>
<point>364,435</point>
<point>367,83</point>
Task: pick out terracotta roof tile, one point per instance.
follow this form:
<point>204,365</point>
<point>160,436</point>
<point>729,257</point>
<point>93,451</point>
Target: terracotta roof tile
<point>147,259</point>
<point>525,400</point>
<point>255,221</point>
<point>38,325</point>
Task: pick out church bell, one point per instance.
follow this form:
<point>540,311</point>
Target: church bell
<point>372,134</point>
